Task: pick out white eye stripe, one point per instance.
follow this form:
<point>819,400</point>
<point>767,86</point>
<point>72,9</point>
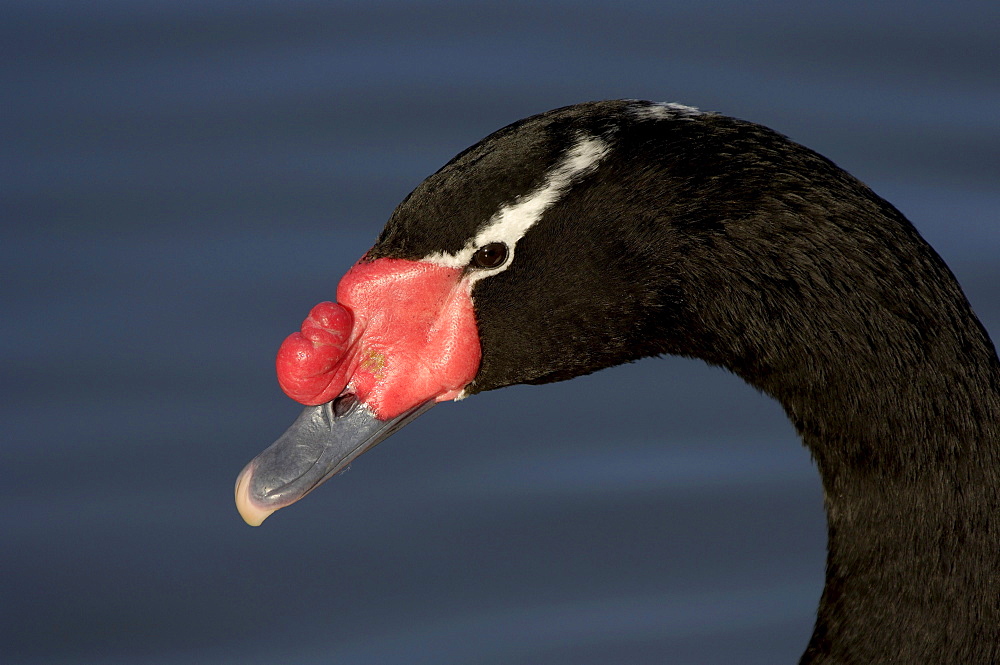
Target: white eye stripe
<point>664,111</point>
<point>512,221</point>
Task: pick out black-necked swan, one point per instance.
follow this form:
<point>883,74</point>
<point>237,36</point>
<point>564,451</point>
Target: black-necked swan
<point>604,232</point>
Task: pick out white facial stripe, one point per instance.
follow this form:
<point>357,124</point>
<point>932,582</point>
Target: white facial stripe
<point>663,111</point>
<point>512,221</point>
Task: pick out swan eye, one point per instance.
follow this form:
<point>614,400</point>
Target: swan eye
<point>492,255</point>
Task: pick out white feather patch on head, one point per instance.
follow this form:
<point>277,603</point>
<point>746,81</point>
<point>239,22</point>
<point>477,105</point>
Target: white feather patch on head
<point>513,220</point>
<point>663,111</point>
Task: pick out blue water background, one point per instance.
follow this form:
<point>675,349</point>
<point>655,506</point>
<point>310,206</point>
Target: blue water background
<point>180,181</point>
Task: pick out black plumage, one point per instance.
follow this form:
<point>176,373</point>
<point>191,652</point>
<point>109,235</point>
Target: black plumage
<point>710,237</point>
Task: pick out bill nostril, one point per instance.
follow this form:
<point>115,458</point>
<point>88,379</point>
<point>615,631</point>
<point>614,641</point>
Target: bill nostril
<point>344,405</point>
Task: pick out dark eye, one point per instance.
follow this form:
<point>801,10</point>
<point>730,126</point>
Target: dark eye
<point>492,255</point>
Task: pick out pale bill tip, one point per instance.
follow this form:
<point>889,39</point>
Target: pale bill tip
<point>251,513</point>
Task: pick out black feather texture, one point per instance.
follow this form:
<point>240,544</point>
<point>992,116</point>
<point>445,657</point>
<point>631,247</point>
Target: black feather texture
<point>706,236</point>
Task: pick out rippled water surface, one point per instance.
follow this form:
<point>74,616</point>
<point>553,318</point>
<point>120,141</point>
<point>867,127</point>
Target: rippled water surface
<point>182,180</point>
